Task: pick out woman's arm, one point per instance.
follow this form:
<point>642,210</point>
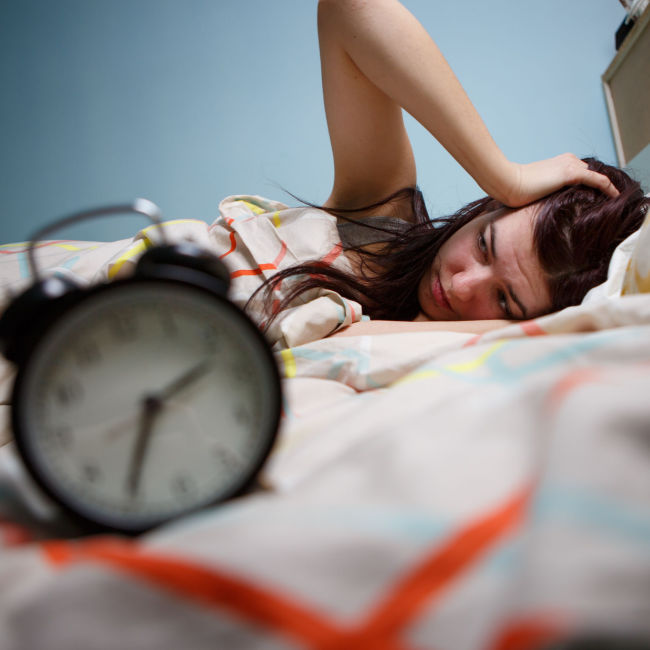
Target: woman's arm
<point>394,327</point>
<point>376,58</point>
<point>372,151</point>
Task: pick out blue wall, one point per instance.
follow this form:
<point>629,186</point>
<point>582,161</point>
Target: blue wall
<point>186,101</point>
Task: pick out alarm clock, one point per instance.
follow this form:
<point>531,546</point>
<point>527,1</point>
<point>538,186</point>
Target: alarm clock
<point>143,399</point>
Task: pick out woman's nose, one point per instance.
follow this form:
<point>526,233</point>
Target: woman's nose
<point>469,283</point>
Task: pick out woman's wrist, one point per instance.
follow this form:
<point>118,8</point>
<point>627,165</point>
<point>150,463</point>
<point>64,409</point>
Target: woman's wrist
<point>499,178</point>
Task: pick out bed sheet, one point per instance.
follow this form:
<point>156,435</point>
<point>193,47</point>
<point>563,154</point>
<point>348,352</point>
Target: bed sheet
<point>430,490</point>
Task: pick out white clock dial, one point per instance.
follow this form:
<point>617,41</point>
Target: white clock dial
<point>147,401</point>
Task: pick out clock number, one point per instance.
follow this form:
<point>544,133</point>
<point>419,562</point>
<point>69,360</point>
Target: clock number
<point>62,436</point>
<point>183,485</point>
<point>91,472</point>
<point>69,392</point>
<point>124,326</point>
<point>88,353</point>
<point>226,458</point>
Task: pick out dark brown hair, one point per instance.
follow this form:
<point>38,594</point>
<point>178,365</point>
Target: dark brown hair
<point>576,231</point>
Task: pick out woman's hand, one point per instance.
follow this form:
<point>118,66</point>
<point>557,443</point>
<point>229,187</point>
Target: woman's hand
<point>536,180</point>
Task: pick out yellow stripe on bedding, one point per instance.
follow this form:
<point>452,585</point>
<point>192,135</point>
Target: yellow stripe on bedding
<point>68,247</point>
<point>289,363</point>
<point>255,208</point>
<point>473,364</point>
<point>460,368</point>
<point>139,247</point>
<point>416,376</point>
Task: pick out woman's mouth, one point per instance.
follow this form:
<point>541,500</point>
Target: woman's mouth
<point>439,295</point>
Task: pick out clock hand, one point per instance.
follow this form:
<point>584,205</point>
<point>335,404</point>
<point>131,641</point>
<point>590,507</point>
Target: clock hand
<point>186,379</point>
<point>151,407</point>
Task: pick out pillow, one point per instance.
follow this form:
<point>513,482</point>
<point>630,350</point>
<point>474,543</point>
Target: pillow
<point>612,287</point>
<point>629,268</point>
<point>637,272</point>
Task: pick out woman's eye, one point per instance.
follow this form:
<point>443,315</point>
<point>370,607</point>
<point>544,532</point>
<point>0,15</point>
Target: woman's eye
<point>503,304</point>
<point>482,244</point>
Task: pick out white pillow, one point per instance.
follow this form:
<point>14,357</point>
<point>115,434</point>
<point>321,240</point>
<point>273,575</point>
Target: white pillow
<point>611,288</point>
<point>619,265</point>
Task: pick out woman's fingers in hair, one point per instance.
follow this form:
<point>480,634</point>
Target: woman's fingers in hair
<point>600,182</point>
<point>538,179</point>
<point>578,172</point>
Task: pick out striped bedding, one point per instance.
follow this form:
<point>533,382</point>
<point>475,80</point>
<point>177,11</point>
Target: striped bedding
<point>429,490</point>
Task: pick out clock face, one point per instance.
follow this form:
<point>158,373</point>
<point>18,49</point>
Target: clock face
<point>147,400</point>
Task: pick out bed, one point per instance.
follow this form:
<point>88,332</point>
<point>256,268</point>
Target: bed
<point>428,490</point>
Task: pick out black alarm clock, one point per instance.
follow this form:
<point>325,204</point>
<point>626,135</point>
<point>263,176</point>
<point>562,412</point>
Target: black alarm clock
<point>143,399</point>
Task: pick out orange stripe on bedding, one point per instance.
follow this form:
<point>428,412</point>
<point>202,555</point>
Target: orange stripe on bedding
<point>570,381</point>
<point>258,271</point>
<point>62,552</point>
<point>333,254</point>
<point>281,254</point>
<point>380,628</point>
<point>233,245</point>
<point>351,308</point>
<point>273,266</point>
<point>208,586</point>
<point>447,563</point>
<point>529,634</point>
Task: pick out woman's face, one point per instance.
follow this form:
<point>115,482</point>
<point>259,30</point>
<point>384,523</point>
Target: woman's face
<point>487,270</point>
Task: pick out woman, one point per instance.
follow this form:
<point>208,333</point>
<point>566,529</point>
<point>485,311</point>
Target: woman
<point>511,255</point>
